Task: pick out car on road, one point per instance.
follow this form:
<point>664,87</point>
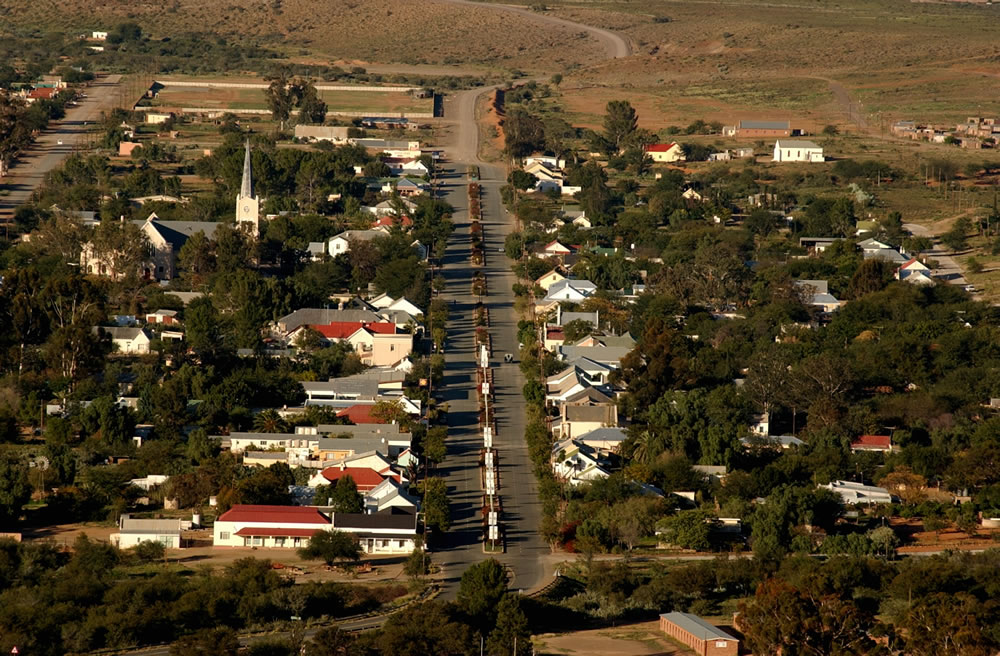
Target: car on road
<point>970,288</point>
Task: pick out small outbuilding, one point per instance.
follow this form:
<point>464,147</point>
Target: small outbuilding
<point>703,638</point>
<point>132,531</point>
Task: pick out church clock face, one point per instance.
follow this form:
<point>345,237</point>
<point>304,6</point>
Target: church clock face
<point>246,208</point>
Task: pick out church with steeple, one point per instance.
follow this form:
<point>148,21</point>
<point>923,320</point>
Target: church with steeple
<point>247,204</point>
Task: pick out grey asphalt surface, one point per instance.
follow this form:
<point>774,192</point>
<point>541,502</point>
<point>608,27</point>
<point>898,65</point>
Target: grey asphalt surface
<point>463,545</point>
<point>30,169</point>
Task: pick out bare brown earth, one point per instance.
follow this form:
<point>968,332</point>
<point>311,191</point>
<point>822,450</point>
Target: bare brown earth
<point>387,31</point>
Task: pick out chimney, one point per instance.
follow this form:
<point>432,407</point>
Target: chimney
<point>343,465</point>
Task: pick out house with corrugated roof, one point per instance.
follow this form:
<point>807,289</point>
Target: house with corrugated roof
<point>665,153</point>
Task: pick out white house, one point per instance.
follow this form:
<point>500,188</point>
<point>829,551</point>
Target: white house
<point>129,341</point>
<point>549,279</point>
<point>134,531</point>
<point>818,295</point>
<point>164,316</point>
<point>156,118</point>
<point>390,207</point>
<point>576,463</point>
<point>336,134</point>
<point>665,153</point>
<point>389,531</point>
<point>856,493</point>
<point>268,526</point>
<point>99,35</point>
<point>797,150</point>
<point>340,244</point>
<point>573,291</point>
<point>389,494</point>
<point>914,271</point>
<point>872,245</point>
<point>604,439</point>
<point>386,302</point>
<point>548,161</point>
<point>149,482</point>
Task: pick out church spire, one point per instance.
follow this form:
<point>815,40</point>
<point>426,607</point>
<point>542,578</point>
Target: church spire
<point>246,189</point>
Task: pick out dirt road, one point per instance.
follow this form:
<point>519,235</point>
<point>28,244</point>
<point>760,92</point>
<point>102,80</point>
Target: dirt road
<point>948,268</point>
<point>55,144</point>
<point>615,44</point>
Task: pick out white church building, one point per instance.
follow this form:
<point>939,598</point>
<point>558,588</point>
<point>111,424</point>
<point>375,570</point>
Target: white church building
<point>165,238</point>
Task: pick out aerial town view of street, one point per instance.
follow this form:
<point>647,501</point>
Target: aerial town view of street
<point>565,328</point>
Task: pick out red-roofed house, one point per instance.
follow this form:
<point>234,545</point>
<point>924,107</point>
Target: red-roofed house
<point>554,336</point>
<point>360,414</point>
<point>390,220</point>
<point>268,526</point>
<point>665,153</point>
<point>914,271</point>
<point>881,443</point>
<point>42,93</point>
<point>365,478</point>
<point>378,343</point>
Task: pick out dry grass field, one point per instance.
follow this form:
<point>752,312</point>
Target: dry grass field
<point>387,31</point>
<point>730,59</point>
<point>375,102</point>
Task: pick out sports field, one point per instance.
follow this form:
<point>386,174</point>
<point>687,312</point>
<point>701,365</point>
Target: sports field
<point>366,101</point>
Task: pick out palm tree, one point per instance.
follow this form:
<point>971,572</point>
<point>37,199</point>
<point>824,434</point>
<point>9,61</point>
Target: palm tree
<point>269,421</point>
<point>646,447</point>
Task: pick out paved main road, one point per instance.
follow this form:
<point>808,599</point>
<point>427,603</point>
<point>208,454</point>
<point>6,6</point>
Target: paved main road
<point>526,551</point>
<point>518,489</point>
<point>55,144</point>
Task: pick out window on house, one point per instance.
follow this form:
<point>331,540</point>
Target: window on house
<point>279,542</point>
<point>246,542</point>
<point>296,542</point>
<point>258,541</point>
<point>224,535</point>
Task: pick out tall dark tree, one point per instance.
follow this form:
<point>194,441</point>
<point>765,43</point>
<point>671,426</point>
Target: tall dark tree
<point>312,109</point>
<point>782,618</point>
<point>482,587</point>
<point>346,498</point>
<point>280,97</point>
<point>511,634</point>
<point>423,629</point>
<point>331,546</point>
<point>15,490</point>
<point>523,132</point>
<point>620,121</point>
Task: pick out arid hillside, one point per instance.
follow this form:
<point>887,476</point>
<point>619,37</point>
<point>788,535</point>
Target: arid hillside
<point>375,31</point>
